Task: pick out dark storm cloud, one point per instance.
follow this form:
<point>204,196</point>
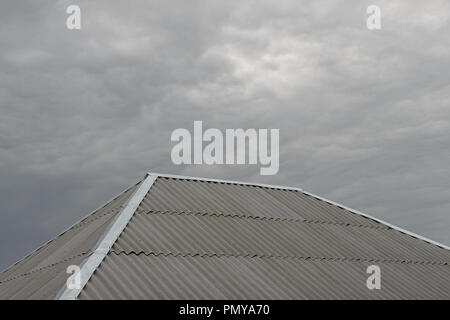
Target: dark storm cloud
<point>363,115</point>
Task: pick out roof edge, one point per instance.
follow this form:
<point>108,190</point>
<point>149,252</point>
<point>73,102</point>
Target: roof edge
<point>307,193</point>
<point>107,240</point>
<point>380,221</point>
<point>175,176</point>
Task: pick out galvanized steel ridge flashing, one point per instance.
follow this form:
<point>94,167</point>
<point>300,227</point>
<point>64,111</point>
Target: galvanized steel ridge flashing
<point>106,242</point>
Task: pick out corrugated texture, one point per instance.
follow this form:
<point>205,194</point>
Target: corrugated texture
<point>193,239</point>
<point>48,264</point>
<point>317,210</point>
<point>172,232</point>
<point>223,198</point>
<point>133,276</point>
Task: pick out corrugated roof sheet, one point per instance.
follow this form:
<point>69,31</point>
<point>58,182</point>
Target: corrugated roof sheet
<point>225,198</point>
<point>173,232</point>
<point>138,276</point>
<point>198,239</point>
<point>193,239</point>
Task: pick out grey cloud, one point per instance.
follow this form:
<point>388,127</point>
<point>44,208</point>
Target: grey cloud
<point>363,115</point>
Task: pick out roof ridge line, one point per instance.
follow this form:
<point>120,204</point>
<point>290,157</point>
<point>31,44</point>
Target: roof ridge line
<point>107,240</point>
<point>174,176</point>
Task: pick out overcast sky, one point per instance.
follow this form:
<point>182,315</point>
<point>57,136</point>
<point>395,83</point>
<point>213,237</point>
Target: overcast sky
<point>364,116</point>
